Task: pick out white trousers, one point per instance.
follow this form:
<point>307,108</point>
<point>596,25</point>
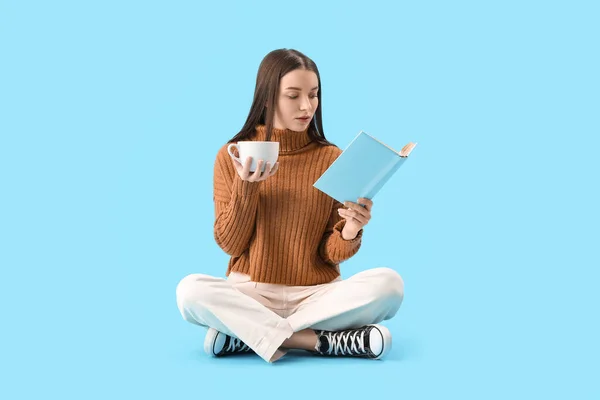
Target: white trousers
<point>263,315</point>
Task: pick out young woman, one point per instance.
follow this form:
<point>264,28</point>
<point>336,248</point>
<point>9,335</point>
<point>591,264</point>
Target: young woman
<point>286,239</point>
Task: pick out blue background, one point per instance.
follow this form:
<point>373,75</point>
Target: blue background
<point>111,114</point>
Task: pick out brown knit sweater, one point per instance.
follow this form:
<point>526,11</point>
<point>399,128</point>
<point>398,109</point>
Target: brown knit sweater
<point>282,230</point>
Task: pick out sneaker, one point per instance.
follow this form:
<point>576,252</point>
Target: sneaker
<point>218,344</point>
<point>370,341</point>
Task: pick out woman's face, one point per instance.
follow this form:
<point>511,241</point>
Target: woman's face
<point>297,98</point>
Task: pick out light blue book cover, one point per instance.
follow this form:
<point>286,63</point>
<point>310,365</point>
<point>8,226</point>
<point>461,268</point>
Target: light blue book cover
<point>362,169</point>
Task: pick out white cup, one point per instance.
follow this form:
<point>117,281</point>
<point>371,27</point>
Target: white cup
<point>267,151</point>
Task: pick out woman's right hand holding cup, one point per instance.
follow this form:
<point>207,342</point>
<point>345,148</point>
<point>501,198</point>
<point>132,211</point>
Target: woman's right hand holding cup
<point>256,176</point>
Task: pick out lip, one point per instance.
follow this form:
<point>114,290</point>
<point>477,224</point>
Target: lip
<point>304,118</point>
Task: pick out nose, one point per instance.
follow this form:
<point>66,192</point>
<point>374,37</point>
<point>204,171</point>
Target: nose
<point>305,104</point>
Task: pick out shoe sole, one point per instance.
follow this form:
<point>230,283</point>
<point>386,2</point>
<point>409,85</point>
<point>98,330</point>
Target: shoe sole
<point>387,340</point>
<point>209,341</point>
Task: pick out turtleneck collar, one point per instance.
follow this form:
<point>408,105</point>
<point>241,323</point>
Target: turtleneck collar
<point>288,139</point>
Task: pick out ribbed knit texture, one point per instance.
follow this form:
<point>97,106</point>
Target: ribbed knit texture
<point>282,230</point>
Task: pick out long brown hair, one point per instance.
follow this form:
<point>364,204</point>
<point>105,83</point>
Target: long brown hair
<point>272,68</point>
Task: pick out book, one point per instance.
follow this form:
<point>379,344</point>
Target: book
<point>362,169</point>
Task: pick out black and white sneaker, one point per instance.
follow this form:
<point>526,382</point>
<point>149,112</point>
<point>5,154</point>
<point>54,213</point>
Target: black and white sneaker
<point>218,344</point>
<point>370,341</point>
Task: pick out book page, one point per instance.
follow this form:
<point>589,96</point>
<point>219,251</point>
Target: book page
<point>407,149</point>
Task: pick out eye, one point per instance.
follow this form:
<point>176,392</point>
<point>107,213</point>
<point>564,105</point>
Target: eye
<point>313,96</point>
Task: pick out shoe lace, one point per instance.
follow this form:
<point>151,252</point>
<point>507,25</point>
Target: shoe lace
<point>236,345</point>
<point>346,343</point>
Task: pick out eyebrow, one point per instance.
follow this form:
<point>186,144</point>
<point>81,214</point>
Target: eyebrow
<point>295,88</point>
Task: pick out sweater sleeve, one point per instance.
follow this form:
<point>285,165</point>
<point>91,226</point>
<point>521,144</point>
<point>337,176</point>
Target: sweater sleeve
<point>333,248</point>
<point>236,203</point>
